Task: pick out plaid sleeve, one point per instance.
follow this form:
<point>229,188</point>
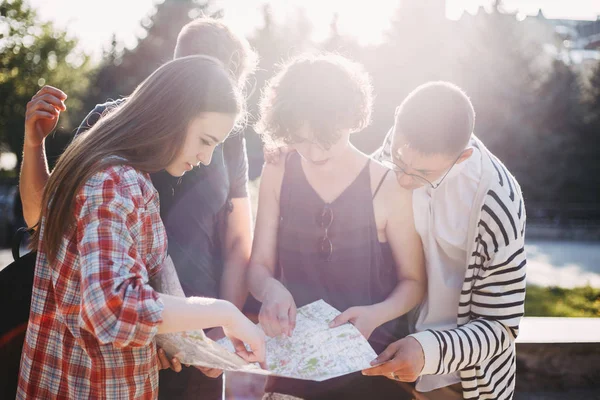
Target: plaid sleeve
<point>118,305</point>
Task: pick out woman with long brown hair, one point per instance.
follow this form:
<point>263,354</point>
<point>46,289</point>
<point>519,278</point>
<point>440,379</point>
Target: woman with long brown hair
<point>94,314</point>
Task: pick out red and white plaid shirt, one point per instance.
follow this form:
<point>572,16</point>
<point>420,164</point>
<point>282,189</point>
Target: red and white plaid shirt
<point>93,314</point>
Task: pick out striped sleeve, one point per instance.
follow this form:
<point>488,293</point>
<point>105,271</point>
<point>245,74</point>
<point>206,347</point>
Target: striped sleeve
<point>492,299</point>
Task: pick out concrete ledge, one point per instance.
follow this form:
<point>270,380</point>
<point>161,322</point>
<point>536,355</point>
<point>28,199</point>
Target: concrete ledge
<point>559,330</point>
<point>559,355</point>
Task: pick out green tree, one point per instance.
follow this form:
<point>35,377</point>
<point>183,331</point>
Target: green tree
<point>589,140</point>
<point>498,64</point>
<point>123,69</point>
<point>34,53</point>
<point>528,106</point>
<point>555,171</point>
<point>592,96</point>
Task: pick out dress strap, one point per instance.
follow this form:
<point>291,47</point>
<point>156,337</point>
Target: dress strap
<point>380,183</point>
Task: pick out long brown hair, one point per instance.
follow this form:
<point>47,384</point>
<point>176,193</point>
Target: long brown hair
<point>146,132</point>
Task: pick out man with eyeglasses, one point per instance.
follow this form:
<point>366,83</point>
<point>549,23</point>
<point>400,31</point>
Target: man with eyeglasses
<point>470,215</point>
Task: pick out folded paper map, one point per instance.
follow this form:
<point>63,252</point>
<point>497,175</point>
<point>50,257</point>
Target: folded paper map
<point>314,352</point>
<point>194,348</point>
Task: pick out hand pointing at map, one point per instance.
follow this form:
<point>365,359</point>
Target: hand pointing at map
<point>364,318</point>
<point>277,315</point>
<point>242,331</point>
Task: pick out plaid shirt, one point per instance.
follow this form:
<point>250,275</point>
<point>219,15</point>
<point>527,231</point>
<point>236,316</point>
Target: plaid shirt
<point>93,314</point>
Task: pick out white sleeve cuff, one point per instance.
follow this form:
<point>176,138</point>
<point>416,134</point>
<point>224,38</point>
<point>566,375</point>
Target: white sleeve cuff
<point>431,351</point>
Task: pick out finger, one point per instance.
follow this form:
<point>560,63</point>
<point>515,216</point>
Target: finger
<point>385,368</point>
<point>265,321</point>
<point>258,348</point>
<point>240,349</point>
<point>41,105</point>
<point>164,361</point>
<point>251,357</point>
<point>341,319</point>
<point>387,354</point>
<point>262,320</point>
<point>274,323</point>
<point>53,91</point>
<point>404,377</point>
<point>54,100</point>
<point>292,319</point>
<point>175,364</point>
<point>215,373</point>
<point>271,325</point>
<point>260,351</point>
<point>283,319</point>
<point>42,115</point>
<point>211,372</point>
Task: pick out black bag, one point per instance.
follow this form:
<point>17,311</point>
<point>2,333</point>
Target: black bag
<point>16,284</point>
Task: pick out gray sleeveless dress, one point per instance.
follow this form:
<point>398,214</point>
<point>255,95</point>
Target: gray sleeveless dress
<point>359,271</point>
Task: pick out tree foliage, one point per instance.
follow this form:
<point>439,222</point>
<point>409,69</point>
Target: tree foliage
<point>34,53</point>
<point>532,109</point>
<point>123,69</point>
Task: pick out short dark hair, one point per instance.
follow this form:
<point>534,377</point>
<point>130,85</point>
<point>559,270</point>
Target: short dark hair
<point>211,37</point>
<point>328,92</point>
<point>436,118</point>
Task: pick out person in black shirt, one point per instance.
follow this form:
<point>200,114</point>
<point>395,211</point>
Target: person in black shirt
<point>206,213</point>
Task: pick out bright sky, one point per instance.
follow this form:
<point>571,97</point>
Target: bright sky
<point>95,24</point>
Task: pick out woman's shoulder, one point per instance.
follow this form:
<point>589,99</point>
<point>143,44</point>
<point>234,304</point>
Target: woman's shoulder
<point>384,182</point>
<point>274,167</point>
<point>120,179</point>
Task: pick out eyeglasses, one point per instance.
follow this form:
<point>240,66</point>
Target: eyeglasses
<point>324,220</point>
<point>398,169</point>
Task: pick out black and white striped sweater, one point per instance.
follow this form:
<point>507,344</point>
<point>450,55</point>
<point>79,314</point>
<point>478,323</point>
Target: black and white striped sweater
<point>482,347</point>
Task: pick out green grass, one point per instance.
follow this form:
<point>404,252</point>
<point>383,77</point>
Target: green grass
<point>558,302</point>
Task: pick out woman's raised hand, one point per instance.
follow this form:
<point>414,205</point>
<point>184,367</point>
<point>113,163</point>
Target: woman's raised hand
<point>41,116</point>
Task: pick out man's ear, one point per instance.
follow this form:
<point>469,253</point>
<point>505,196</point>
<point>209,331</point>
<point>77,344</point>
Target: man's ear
<point>468,152</point>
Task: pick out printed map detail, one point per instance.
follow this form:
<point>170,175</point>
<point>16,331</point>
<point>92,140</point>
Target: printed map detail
<point>315,351</point>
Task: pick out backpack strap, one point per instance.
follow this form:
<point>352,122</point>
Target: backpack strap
<point>17,239</point>
<point>380,183</point>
